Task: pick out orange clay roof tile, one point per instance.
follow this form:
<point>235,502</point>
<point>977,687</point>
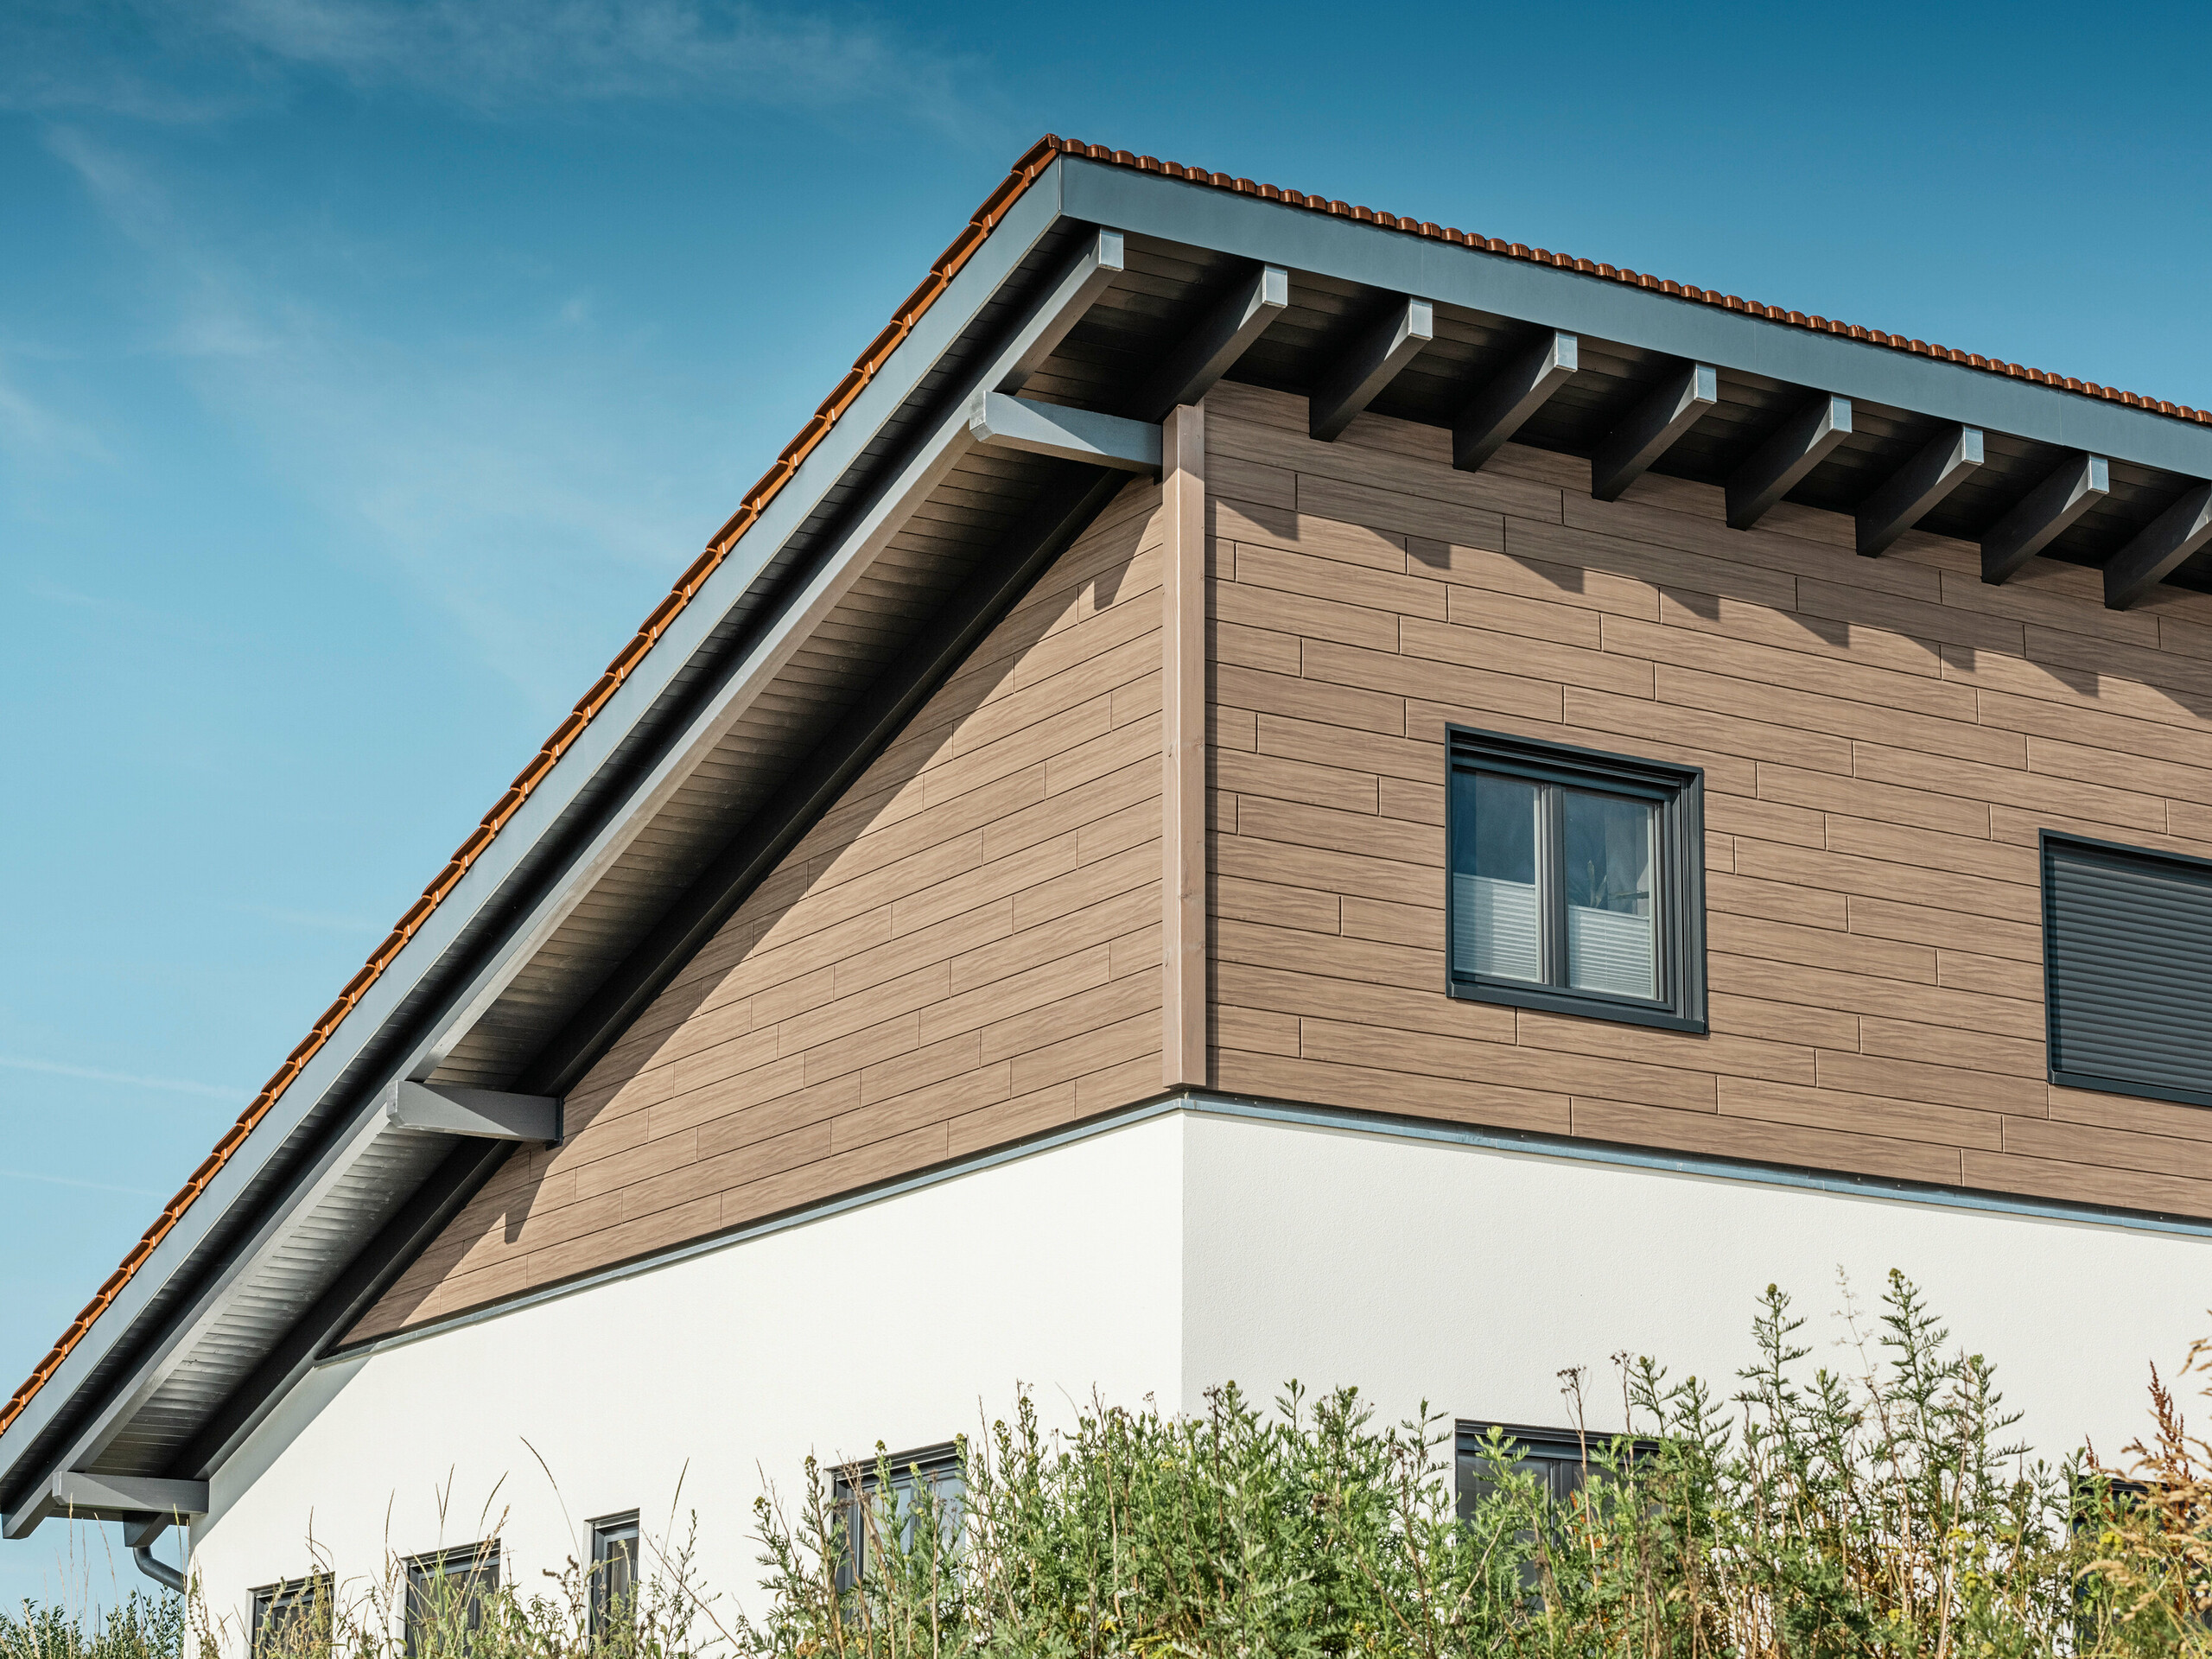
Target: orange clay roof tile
<point>948,265</point>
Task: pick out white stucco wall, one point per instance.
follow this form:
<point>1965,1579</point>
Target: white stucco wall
<point>1153,1259</point>
<point>903,1320</point>
<point>1471,1277</point>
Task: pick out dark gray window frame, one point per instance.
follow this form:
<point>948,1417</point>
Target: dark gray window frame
<point>854,1484</point>
<point>1679,908</point>
<point>289,1599</point>
<point>2060,1076</point>
<point>1562,1454</point>
<point>612,1534</point>
<point>475,1567</point>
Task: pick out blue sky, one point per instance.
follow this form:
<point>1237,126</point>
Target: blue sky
<point>368,369</point>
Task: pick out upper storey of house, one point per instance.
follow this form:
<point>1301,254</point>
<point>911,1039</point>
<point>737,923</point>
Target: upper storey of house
<point>1215,639</point>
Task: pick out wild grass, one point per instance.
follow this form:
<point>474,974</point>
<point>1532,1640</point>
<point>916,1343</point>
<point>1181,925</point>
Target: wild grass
<point>1878,1508</point>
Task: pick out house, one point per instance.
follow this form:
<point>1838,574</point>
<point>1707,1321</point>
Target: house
<point>1268,789</point>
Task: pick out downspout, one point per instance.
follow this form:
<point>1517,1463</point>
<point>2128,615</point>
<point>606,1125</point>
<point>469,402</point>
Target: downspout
<point>159,1571</point>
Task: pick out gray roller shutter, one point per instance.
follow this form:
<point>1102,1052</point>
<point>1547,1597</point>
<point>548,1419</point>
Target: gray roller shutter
<point>2127,970</point>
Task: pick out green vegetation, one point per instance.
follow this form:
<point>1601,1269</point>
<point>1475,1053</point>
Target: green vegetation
<point>1812,1513</point>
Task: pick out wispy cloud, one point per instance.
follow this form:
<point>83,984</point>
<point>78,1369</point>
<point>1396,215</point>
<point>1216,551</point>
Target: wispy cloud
<point>37,435</point>
<point>493,57</point>
<point>496,53</point>
<point>486,478</point>
<point>129,1079</point>
<point>88,1187</point>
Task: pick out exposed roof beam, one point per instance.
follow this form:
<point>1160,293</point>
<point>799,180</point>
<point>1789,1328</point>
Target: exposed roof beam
<point>1910,494</point>
<point>107,1498</point>
<point>1092,274</point>
<point>1054,430</point>
<point>1799,444</point>
<point>2159,551</point>
<point>1372,363</point>
<point>1211,350</point>
<point>1627,451</point>
<point>2074,486</point>
<point>488,1114</point>
<point>1345,250</point>
<point>1517,391</point>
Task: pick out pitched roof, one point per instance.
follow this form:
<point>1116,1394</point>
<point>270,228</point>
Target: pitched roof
<point>993,209</point>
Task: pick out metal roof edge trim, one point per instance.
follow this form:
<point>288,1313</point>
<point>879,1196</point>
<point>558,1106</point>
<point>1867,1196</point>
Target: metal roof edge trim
<point>1689,293</point>
<point>948,265</point>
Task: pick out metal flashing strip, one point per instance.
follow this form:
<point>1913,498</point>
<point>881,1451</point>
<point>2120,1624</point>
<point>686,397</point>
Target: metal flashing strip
<point>1337,1119</point>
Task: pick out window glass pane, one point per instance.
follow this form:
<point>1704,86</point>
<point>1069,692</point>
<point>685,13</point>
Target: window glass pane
<point>1611,944</point>
<point>1497,926</point>
<point>613,1574</point>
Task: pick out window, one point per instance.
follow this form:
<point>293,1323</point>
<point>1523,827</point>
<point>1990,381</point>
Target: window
<point>870,1510</point>
<point>292,1617</point>
<point>2127,970</point>
<point>1555,1456</point>
<point>613,1572</point>
<point>445,1597</point>
<point>1577,881</point>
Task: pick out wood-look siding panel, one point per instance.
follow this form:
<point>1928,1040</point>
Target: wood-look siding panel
<point>1883,740</point>
<point>969,937</point>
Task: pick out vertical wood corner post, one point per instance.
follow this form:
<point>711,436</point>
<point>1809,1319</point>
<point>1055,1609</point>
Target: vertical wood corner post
<point>1183,746</point>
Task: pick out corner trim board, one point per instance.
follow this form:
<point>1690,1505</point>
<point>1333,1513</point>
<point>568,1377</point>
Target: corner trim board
<point>1183,799</point>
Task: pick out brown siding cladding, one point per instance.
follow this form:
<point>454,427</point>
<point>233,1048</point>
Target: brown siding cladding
<point>1882,739</point>
<point>964,950</point>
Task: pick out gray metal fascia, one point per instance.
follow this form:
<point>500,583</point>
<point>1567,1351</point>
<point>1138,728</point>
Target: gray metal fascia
<point>1250,227</point>
<point>1025,224</point>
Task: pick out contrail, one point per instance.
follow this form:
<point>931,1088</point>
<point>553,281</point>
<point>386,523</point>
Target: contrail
<point>91,1074</point>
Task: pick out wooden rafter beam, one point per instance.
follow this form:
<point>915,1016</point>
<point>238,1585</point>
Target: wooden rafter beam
<point>1511,396</point>
<point>1372,362</point>
<point>1652,428</point>
<point>2074,486</point>
<point>1911,492</point>
<point>1800,443</point>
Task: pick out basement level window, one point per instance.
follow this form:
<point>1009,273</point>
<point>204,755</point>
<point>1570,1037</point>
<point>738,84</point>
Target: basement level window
<point>293,1617</point>
<point>2127,970</point>
<point>1578,881</point>
<point>613,1573</point>
<point>446,1593</point>
<point>878,1502</point>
